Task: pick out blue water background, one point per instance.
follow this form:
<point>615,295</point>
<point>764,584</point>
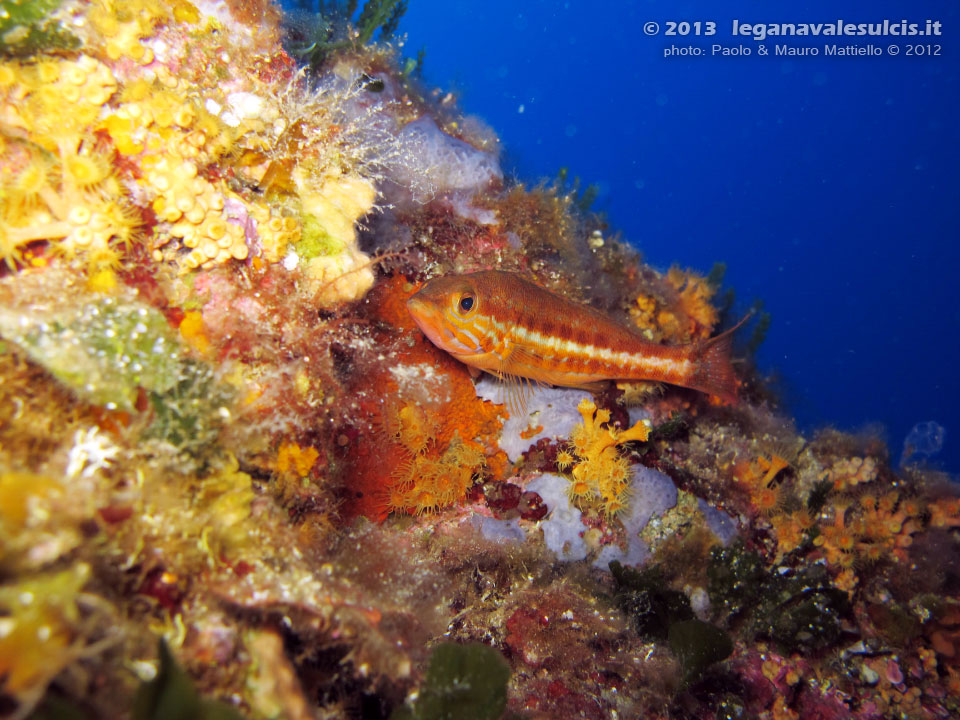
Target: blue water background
<point>829,186</point>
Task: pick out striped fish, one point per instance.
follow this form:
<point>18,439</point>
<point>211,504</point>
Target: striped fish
<point>498,322</point>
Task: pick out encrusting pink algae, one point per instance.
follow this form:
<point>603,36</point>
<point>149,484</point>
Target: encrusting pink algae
<point>236,477</point>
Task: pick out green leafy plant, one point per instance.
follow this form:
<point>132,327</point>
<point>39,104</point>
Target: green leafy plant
<point>172,695</point>
<point>463,682</point>
<point>27,28</point>
<point>797,608</point>
<point>698,645</point>
<point>315,36</point>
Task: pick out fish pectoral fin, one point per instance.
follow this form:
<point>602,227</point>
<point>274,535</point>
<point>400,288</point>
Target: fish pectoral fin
<point>475,372</point>
<point>514,359</point>
<point>515,390</point>
<point>514,354</point>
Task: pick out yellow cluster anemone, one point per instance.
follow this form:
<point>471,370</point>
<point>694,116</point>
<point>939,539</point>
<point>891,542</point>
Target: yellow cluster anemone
<point>694,294</point>
<point>195,210</point>
<point>600,474</point>
<point>71,199</point>
<point>850,472</point>
<point>58,183</point>
<point>427,483</point>
<point>35,95</point>
<point>758,479</point>
<point>790,529</point>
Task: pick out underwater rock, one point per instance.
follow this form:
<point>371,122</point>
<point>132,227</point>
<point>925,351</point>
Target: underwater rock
<point>723,526</point>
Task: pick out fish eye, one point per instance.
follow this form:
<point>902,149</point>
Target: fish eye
<point>466,303</point>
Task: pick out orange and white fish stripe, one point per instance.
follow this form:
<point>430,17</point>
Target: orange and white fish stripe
<point>500,323</point>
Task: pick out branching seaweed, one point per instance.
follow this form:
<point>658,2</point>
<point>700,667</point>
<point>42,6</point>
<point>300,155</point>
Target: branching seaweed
<point>317,35</point>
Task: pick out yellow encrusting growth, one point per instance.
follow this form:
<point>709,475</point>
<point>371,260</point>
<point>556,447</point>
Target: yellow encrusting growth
<point>41,633</point>
<point>338,269</point>
<point>195,210</point>
<point>292,457</point>
<point>193,332</point>
<point>601,475</point>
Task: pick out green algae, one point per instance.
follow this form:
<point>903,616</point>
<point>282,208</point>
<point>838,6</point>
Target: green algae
<point>463,682</point>
<point>735,578</point>
<point>328,31</point>
<point>172,695</point>
<point>698,645</point>
<point>799,609</point>
<point>104,349</point>
<point>643,596</point>
<point>315,241</point>
<point>54,708</point>
<point>677,425</point>
<point>189,415</point>
<point>116,354</point>
<point>28,28</point>
<point>662,614</point>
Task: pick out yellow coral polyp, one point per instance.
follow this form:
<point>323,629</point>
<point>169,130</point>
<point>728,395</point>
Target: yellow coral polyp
<point>600,475</point>
<point>428,483</point>
<point>414,428</point>
<point>86,171</point>
<point>276,232</point>
<point>194,207</point>
<point>59,110</point>
<point>850,472</point>
<point>124,133</point>
<point>695,294</point>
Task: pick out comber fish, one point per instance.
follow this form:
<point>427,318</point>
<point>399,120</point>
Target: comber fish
<point>498,322</point>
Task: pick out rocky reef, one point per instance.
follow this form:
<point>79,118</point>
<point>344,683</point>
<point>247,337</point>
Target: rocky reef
<point>236,480</point>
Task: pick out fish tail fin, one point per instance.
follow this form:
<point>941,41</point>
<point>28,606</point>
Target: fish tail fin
<point>714,373</point>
